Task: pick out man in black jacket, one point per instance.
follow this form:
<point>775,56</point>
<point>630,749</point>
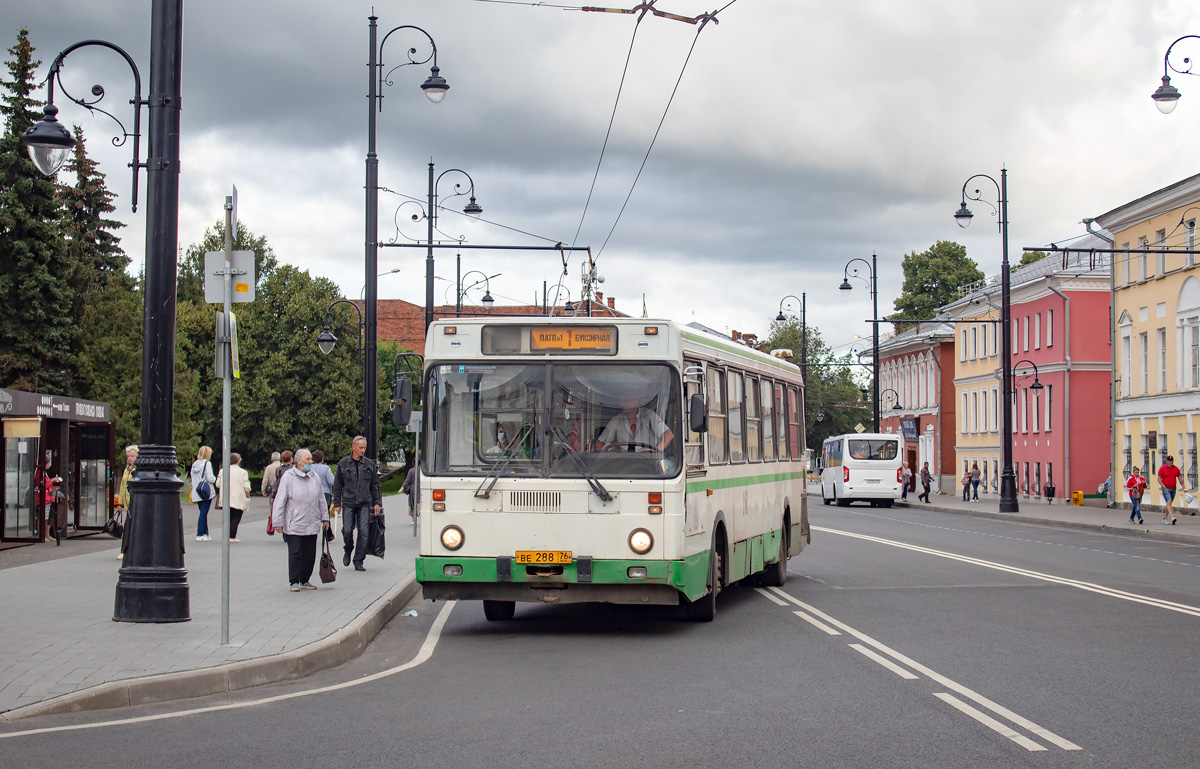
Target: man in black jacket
<point>355,492</point>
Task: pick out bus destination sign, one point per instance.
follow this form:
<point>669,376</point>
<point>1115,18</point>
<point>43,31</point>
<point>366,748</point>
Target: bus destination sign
<point>585,339</point>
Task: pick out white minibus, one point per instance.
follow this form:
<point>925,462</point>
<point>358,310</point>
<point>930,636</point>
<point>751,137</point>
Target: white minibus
<point>861,467</point>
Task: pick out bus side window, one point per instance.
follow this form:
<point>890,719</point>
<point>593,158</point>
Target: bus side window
<point>737,450</point>
<point>693,446</point>
<point>795,422</point>
<point>753,421</point>
<point>767,402</point>
<point>718,447</point>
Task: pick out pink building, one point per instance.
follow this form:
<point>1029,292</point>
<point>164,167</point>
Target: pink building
<point>1060,309</point>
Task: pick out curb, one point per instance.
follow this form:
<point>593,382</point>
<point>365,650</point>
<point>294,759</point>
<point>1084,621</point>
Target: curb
<point>1107,528</point>
<point>331,651</point>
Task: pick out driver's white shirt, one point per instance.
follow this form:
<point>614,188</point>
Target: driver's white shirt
<point>650,430</point>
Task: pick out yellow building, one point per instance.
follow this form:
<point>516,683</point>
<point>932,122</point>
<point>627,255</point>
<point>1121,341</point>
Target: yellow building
<point>1156,334</point>
<point>976,390</point>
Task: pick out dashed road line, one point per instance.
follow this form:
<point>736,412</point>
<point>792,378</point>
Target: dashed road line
<point>892,666</point>
<point>989,722</point>
<point>950,684</point>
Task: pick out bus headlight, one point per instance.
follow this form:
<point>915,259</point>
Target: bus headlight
<point>452,538</point>
<point>640,541</point>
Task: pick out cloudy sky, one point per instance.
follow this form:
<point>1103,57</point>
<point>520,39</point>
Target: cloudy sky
<point>803,134</point>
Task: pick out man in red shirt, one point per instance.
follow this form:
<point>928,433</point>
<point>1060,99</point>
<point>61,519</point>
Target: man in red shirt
<point>1169,479</point>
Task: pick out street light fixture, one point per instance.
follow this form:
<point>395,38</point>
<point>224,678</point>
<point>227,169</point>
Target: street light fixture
<point>152,586</point>
<point>1166,96</point>
<point>897,406</point>
<point>487,300</point>
<point>326,340</point>
<point>846,288</point>
<point>1008,478</point>
<point>803,299</point>
<point>435,88</point>
<point>1036,384</point>
<point>472,209</point>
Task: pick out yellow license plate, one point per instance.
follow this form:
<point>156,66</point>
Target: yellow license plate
<point>543,556</point>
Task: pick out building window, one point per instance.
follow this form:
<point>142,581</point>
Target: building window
<point>975,342</point>
<point>1190,259</point>
<point>1037,331</point>
<point>1024,411</point>
<point>1033,412</point>
<point>1025,334</point>
<point>993,330</point>
<point>1125,262</point>
<point>983,412</point>
<point>1025,478</point>
<point>1037,479</point>
<point>1193,474</point>
<point>974,411</point>
<point>1162,360</point>
<point>1016,334</point>
<point>995,409</point>
<point>1160,238</point>
<point>1144,246</point>
<point>962,355</point>
<point>964,414</point>
<point>1146,455</point>
<point>1049,407</point>
<point>1049,328</point>
<point>1128,455</point>
<point>1145,340</point>
<point>1126,364</point>
<point>1194,344</point>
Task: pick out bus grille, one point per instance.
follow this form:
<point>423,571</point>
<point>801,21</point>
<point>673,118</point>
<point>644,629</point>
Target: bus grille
<point>535,501</point>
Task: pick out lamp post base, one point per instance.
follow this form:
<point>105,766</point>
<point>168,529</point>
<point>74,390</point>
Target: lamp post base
<point>1008,492</point>
<point>152,586</point>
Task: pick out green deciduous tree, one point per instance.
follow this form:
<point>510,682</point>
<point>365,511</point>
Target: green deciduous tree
<point>37,327</point>
<point>932,279</point>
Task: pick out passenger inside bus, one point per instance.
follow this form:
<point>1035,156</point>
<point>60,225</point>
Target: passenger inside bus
<point>635,429</point>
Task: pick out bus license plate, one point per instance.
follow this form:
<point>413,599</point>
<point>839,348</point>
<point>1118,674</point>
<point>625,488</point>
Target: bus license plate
<point>543,556</point>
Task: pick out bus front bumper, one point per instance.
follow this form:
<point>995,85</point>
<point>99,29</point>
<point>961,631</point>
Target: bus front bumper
<point>666,583</point>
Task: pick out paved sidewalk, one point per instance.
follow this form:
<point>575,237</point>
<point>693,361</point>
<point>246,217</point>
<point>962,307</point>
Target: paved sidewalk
<point>1112,520</point>
<point>64,653</point>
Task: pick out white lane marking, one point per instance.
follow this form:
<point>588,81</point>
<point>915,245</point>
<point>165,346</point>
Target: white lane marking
<point>988,721</point>
<point>892,666</point>
<point>968,693</point>
<point>1158,603</point>
<point>423,655</point>
<point>1159,546</point>
<point>770,597</point>
<point>813,621</point>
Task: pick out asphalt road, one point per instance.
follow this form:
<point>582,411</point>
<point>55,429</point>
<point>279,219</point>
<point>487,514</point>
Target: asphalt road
<point>927,640</point>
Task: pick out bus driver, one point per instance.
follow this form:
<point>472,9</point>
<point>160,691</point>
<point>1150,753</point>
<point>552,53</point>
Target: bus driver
<point>635,429</point>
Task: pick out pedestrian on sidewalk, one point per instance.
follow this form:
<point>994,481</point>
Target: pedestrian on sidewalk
<point>239,493</point>
<point>1170,479</point>
<point>356,488</point>
<point>202,471</point>
<point>906,477</point>
<point>1136,485</point>
<point>966,485</point>
<point>409,487</point>
<point>325,474</point>
<point>300,513</point>
<point>975,474</point>
<point>268,480</point>
<point>131,452</point>
<point>926,482</point>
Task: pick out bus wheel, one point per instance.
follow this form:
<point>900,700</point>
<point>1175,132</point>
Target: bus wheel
<point>824,498</point>
<point>840,502</point>
<point>775,574</point>
<point>704,608</point>
<point>499,611</point>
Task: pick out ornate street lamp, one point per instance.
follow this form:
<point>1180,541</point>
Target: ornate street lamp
<point>1166,96</point>
<point>472,209</point>
<point>846,288</point>
<point>435,88</point>
<point>1008,478</point>
<point>897,406</point>
<point>487,300</point>
<point>326,340</point>
<point>152,586</point>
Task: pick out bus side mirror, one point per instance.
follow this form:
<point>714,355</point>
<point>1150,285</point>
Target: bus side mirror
<point>697,413</point>
<point>402,401</point>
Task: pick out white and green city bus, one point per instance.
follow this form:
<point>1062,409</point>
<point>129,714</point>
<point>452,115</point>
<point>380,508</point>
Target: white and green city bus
<point>628,461</point>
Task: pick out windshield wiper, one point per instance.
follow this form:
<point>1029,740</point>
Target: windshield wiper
<point>498,468</point>
<point>592,480</point>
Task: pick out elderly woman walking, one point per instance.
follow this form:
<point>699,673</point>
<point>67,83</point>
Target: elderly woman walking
<point>239,493</point>
<point>300,513</point>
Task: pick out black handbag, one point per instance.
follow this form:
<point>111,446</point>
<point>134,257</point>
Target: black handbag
<point>113,527</point>
<point>375,536</point>
<point>328,570</point>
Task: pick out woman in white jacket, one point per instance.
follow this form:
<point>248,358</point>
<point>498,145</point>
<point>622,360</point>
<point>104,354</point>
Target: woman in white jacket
<point>300,513</point>
<point>239,493</point>
<point>202,471</point>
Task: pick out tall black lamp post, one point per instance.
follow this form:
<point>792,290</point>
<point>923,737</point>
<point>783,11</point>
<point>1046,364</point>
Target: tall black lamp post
<point>472,209</point>
<point>435,88</point>
<point>152,586</point>
<point>846,288</point>
<point>1166,97</point>
<point>1008,478</point>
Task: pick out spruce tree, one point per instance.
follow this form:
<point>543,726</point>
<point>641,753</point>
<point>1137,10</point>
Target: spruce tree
<point>37,330</point>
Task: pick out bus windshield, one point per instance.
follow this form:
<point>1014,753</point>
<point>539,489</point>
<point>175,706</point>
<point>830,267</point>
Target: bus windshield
<point>557,420</point>
<point>861,448</point>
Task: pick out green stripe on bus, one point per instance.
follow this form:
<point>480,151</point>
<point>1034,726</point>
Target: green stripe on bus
<point>746,480</point>
<point>689,576</point>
